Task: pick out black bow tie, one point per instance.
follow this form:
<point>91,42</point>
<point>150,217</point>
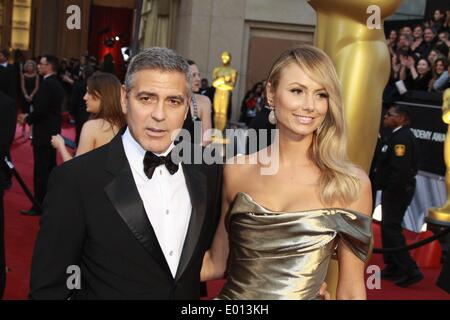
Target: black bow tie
<point>151,161</point>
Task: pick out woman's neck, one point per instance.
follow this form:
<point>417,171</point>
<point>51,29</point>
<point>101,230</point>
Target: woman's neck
<point>294,149</point>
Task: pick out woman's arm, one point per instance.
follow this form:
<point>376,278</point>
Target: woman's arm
<point>36,87</point>
<point>22,84</point>
<point>412,68</point>
<point>215,259</point>
<point>351,284</point>
<point>205,115</point>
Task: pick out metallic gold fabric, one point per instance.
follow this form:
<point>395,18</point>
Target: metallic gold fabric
<point>285,255</point>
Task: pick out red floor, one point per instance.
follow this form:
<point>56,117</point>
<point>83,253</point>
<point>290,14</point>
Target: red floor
<point>20,232</point>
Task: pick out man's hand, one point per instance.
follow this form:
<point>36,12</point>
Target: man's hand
<point>324,294</point>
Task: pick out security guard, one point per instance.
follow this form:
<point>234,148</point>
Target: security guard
<point>394,174</point>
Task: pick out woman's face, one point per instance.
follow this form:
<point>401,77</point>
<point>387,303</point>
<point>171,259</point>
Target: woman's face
<point>92,102</point>
<point>432,56</point>
<point>259,89</point>
<point>407,31</point>
<point>422,67</point>
<point>29,68</point>
<point>393,35</point>
<point>196,80</point>
<point>443,37</point>
<point>437,15</point>
<point>300,103</point>
<point>439,67</point>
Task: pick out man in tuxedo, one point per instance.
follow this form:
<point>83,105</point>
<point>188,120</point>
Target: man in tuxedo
<point>124,221</point>
<point>7,76</point>
<point>46,121</point>
<point>7,129</point>
<point>7,86</point>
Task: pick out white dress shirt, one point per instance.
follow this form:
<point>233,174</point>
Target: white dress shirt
<point>166,201</point>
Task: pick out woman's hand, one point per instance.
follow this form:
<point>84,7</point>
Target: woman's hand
<point>410,63</point>
<point>58,142</point>
<point>324,294</point>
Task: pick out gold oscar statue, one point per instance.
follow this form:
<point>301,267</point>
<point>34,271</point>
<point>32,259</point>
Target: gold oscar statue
<point>441,216</point>
<point>224,80</point>
<point>357,46</point>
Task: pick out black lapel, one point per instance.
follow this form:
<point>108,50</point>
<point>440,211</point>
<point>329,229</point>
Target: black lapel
<point>124,196</point>
<point>196,185</point>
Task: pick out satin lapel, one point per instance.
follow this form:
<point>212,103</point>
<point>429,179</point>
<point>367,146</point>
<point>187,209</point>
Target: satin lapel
<point>124,196</point>
<point>196,185</point>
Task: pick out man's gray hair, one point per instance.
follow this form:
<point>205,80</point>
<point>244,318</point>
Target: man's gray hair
<point>156,58</point>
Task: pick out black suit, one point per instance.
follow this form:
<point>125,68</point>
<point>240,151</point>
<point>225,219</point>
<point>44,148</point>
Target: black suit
<point>397,162</point>
<point>7,129</point>
<point>8,81</point>
<point>46,121</point>
<point>94,218</point>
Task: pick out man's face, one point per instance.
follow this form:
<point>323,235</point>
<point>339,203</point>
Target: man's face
<point>44,67</point>
<point>428,35</point>
<point>391,119</point>
<point>2,58</point>
<point>156,107</point>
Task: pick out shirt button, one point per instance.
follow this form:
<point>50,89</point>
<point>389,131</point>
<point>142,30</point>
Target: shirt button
<point>160,172</point>
<point>167,212</point>
<point>171,253</point>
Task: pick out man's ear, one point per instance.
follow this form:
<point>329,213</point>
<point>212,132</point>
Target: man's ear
<point>123,99</point>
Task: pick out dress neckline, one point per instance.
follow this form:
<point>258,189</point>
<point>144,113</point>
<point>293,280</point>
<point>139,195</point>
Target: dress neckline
<point>328,209</point>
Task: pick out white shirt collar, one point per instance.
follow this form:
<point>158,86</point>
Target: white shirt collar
<point>135,153</point>
<point>4,64</point>
<point>49,75</point>
<point>396,129</point>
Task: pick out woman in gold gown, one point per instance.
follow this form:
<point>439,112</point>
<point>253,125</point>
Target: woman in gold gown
<point>278,232</point>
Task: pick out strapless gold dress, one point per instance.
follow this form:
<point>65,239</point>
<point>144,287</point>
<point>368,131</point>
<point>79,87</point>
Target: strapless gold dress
<point>285,255</point>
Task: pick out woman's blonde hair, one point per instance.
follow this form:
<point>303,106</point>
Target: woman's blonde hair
<point>30,63</point>
<point>339,177</point>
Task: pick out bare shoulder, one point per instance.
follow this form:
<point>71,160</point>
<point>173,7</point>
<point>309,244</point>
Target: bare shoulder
<point>203,99</point>
<point>204,103</point>
<point>363,203</point>
<point>363,178</point>
<point>237,172</point>
<point>93,124</point>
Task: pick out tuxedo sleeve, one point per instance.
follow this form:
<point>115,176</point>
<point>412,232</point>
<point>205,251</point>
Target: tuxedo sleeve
<point>41,104</point>
<point>60,239</point>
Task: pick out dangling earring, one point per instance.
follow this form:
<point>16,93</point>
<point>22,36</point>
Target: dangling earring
<point>272,117</point>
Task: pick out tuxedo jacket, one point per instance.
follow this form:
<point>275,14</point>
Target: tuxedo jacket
<point>7,130</point>
<point>94,218</point>
<point>8,81</point>
<point>46,115</point>
<point>7,124</point>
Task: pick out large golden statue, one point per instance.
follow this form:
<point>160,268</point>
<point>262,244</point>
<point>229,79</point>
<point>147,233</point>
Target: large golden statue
<point>357,46</point>
<point>224,80</point>
<point>441,216</point>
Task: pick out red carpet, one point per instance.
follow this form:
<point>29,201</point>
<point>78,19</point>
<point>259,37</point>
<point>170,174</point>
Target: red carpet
<point>20,233</point>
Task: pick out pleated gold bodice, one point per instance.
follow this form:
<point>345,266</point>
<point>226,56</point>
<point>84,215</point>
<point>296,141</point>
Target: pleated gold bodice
<point>285,255</point>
